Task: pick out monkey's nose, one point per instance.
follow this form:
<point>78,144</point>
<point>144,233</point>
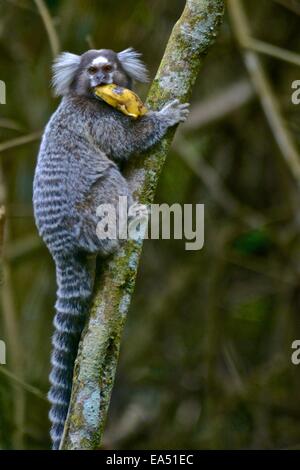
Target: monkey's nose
<point>98,79</point>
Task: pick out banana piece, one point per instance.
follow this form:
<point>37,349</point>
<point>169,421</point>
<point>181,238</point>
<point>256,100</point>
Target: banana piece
<point>122,99</point>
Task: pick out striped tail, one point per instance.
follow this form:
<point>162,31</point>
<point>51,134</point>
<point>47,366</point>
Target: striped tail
<point>73,296</point>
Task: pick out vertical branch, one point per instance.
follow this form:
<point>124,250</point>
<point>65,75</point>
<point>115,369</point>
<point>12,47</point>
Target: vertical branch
<point>49,26</point>
<point>96,364</point>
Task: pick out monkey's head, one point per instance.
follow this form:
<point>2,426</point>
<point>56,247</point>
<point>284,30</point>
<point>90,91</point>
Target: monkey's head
<point>81,73</point>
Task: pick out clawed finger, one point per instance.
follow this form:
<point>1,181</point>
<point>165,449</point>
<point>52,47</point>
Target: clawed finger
<point>184,105</point>
<point>171,104</point>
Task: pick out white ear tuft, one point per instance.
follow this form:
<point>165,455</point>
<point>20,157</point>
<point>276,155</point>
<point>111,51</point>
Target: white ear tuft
<point>133,66</point>
<point>64,69</point>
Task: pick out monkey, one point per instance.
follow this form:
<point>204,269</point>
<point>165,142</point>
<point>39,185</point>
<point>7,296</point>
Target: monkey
<point>78,168</point>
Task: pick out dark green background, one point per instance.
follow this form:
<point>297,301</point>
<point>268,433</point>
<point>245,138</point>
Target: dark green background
<point>205,359</point>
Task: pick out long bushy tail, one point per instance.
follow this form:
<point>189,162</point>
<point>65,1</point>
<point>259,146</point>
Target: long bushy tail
<point>73,296</point>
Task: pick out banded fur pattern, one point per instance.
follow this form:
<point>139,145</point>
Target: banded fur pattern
<point>83,145</point>
<point>52,206</point>
<point>73,295</point>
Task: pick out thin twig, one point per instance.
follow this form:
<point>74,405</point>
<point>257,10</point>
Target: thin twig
<point>293,5</point>
<point>214,183</point>
<point>271,50</point>
<point>10,124</point>
<point>207,174</point>
<point>90,41</point>
<point>29,388</point>
<point>262,85</point>
<point>24,139</point>
<point>23,247</point>
<point>219,105</point>
<point>49,26</point>
<point>15,3</point>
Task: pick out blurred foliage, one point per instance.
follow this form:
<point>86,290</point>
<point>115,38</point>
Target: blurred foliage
<point>205,358</point>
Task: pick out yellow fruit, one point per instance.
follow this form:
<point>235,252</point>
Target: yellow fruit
<point>122,99</point>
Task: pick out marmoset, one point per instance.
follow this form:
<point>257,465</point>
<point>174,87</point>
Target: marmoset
<point>77,170</point>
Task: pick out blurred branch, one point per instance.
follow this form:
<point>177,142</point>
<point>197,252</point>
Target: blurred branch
<point>258,266</point>
<point>96,364</point>
<point>10,124</point>
<point>16,3</point>
<point>23,247</point>
<point>219,105</point>
<point>24,139</point>
<point>12,335</point>
<point>271,50</point>
<point>293,5</point>
<point>214,183</point>
<point>90,41</point>
<point>214,317</point>
<point>49,26</point>
<point>27,387</point>
<point>262,85</point>
<point>208,175</point>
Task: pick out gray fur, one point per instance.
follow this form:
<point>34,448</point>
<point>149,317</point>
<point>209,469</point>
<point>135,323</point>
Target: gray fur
<point>64,68</point>
<point>77,170</point>
<point>133,66</point>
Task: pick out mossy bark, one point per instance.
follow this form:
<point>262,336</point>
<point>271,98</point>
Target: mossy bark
<point>96,363</point>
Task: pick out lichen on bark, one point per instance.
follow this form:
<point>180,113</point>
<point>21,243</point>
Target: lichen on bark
<point>96,362</point>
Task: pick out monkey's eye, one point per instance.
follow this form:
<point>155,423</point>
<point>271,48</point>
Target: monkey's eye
<point>92,69</point>
<point>107,68</point>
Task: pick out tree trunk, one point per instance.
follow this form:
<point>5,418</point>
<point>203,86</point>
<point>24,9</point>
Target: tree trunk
<point>96,363</point>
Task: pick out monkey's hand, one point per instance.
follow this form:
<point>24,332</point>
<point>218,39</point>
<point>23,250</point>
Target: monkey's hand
<point>119,137</point>
<point>175,112</point>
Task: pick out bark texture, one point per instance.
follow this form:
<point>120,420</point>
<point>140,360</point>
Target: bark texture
<point>95,368</point>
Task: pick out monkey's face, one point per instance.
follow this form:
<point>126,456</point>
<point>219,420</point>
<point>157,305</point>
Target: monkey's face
<point>100,67</point>
<point>101,71</point>
<point>81,74</point>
